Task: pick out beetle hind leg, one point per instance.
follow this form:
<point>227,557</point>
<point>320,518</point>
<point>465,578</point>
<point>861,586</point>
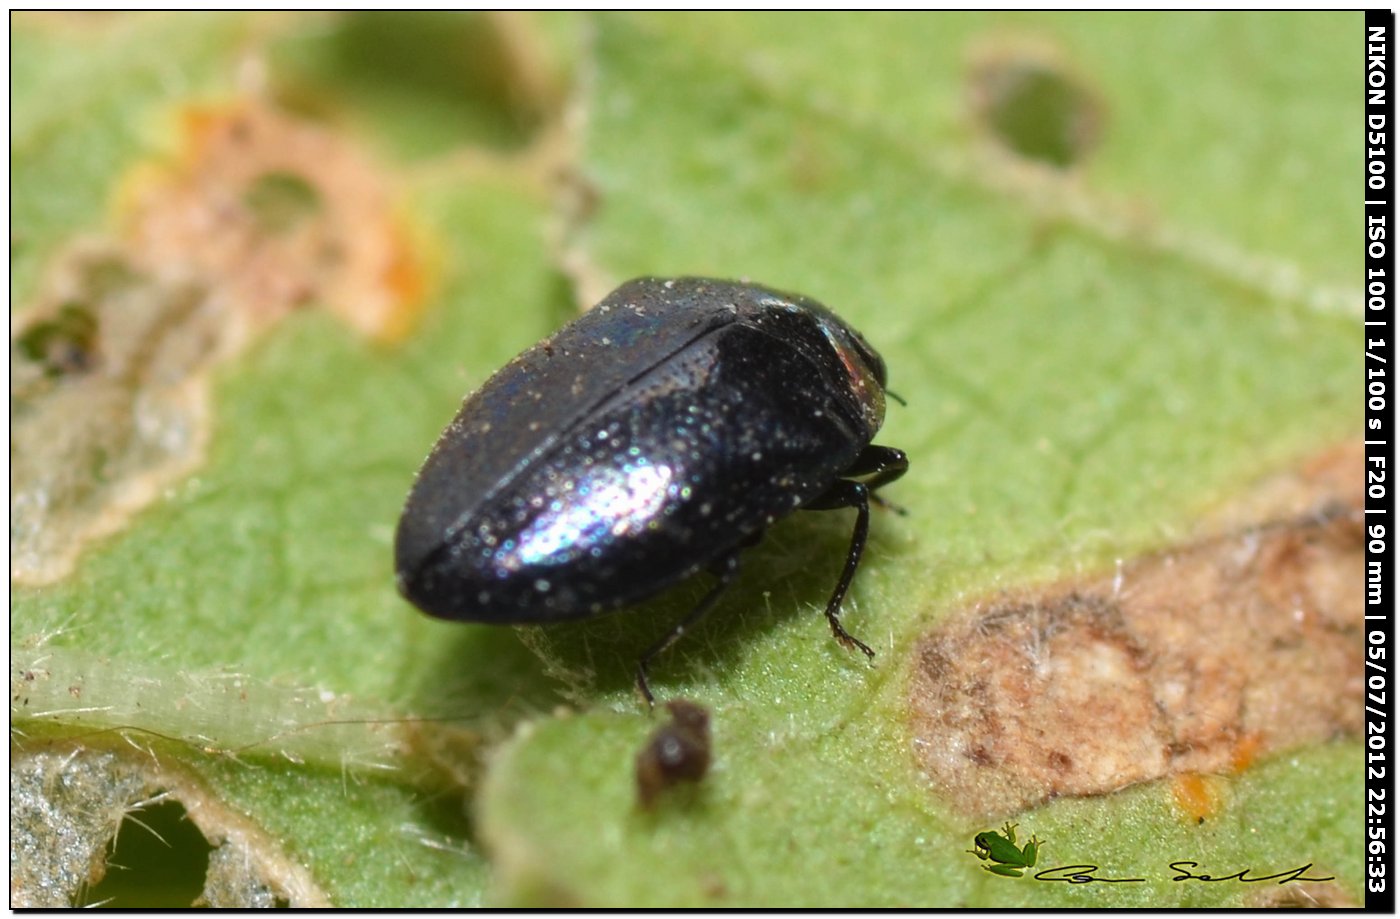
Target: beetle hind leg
<point>726,570</point>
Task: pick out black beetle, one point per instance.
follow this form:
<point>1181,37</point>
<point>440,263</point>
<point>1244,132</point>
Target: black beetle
<point>657,435</point>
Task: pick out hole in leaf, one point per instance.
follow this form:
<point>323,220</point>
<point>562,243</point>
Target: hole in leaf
<point>159,860</point>
<point>64,345</point>
<point>1037,110</point>
<point>281,200</point>
<point>432,80</point>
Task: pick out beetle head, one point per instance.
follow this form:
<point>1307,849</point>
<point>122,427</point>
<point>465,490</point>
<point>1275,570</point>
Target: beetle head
<point>864,369</point>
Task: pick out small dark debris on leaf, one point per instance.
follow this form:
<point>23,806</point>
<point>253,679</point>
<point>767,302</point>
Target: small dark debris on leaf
<point>678,751</point>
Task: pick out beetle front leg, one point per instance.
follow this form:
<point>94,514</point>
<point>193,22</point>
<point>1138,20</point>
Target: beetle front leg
<point>845,493</point>
<point>883,465</point>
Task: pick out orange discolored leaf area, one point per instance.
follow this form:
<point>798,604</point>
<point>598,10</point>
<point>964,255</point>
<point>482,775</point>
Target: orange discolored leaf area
<point>1197,797</point>
<point>258,214</point>
<point>276,212</point>
<point>1195,660</point>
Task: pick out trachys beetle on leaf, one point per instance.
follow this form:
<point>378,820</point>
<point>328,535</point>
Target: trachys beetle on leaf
<point>656,436</point>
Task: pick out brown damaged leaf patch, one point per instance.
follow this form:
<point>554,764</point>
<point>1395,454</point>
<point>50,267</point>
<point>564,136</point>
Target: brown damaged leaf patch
<point>257,215</point>
<point>1197,659</point>
<point>1302,896</point>
<point>108,404</point>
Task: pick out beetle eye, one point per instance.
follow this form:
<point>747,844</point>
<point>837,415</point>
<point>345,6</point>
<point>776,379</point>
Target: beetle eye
<point>867,354</point>
<point>853,341</point>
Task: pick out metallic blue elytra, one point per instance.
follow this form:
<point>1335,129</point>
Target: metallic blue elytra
<point>655,436</point>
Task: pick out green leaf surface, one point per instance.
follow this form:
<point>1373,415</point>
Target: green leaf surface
<point>1092,359</point>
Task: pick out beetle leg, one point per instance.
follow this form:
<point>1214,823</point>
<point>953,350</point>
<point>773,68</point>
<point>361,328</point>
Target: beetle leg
<point>883,465</point>
<point>725,570</point>
<point>845,493</point>
<point>889,505</point>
